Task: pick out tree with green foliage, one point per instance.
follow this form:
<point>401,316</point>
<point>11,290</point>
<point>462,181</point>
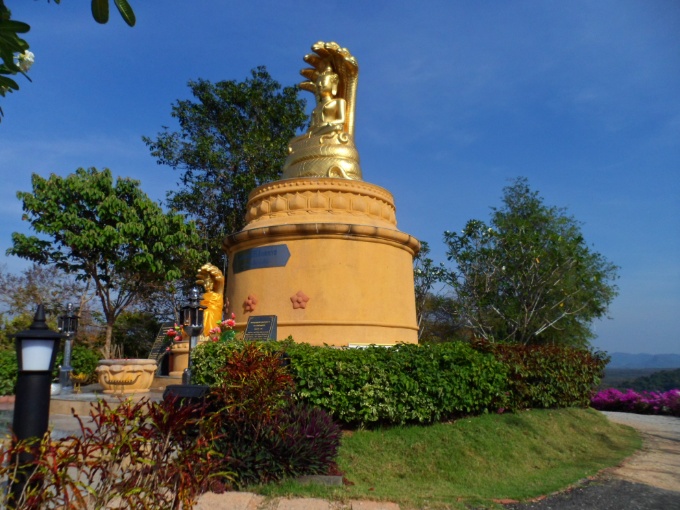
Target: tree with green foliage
<point>16,59</point>
<point>440,321</point>
<point>233,137</point>
<point>21,293</point>
<point>425,275</point>
<point>14,53</point>
<point>112,234</point>
<point>100,11</point>
<point>135,332</point>
<point>529,277</point>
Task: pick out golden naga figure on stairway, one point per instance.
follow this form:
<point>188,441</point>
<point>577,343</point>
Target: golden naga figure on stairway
<point>327,149</point>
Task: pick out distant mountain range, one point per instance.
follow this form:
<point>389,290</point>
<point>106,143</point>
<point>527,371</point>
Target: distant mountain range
<point>624,360</point>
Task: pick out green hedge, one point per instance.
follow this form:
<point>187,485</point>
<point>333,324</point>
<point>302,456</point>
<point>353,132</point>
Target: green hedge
<point>83,360</point>
<point>403,384</point>
<point>8,371</point>
<point>548,376</point>
<point>427,383</point>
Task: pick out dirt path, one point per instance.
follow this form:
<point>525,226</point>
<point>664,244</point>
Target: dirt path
<point>649,480</point>
<point>658,462</point>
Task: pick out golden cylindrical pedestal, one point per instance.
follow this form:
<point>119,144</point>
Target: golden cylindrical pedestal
<point>324,255</point>
<point>179,358</point>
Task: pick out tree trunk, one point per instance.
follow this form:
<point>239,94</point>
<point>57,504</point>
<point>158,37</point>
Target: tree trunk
<point>106,350</point>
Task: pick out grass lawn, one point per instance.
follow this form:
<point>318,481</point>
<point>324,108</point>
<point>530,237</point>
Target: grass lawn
<point>473,461</point>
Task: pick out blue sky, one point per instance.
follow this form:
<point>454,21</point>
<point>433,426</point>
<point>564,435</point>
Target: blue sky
<point>455,100</point>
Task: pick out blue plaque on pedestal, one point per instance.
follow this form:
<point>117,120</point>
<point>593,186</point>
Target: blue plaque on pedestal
<point>265,256</point>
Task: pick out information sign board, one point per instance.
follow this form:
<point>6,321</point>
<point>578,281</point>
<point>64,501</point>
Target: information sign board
<point>261,328</point>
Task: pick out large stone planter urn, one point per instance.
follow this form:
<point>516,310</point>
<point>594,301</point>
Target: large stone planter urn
<point>122,376</point>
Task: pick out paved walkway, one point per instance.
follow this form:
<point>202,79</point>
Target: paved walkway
<point>649,480</point>
<point>248,501</point>
<point>657,463</point>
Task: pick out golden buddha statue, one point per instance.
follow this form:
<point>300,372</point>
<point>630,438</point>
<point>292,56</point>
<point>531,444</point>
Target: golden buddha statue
<point>327,148</point>
<point>212,280</point>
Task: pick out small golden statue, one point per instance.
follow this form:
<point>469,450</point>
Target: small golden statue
<point>77,379</point>
<point>327,148</point>
<point>212,280</point>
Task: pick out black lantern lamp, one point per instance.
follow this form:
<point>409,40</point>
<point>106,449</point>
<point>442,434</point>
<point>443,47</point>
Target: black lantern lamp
<point>68,325</point>
<point>37,349</point>
<point>37,346</point>
<point>191,317</point>
<point>191,314</point>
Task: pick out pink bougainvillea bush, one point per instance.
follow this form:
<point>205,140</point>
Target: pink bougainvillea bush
<point>645,402</point>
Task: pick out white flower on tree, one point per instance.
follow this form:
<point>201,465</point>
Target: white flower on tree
<point>26,60</point>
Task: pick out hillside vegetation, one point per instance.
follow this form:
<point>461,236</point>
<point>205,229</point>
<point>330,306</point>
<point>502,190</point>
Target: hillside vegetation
<point>640,379</point>
<point>663,380</point>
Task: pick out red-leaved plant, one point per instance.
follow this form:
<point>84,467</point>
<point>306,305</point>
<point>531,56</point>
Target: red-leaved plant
<point>149,455</point>
<point>262,434</point>
<point>138,455</point>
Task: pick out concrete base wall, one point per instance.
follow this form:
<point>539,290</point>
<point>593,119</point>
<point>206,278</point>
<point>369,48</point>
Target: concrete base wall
<point>346,282</point>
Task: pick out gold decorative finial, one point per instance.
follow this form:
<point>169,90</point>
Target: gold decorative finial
<point>327,148</point>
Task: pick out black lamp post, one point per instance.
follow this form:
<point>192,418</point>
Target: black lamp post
<point>68,325</point>
<point>191,317</point>
<point>36,352</point>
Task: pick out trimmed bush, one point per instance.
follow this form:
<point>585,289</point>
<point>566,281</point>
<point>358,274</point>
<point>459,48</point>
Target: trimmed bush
<point>548,376</point>
<point>376,385</point>
<point>398,385</point>
<point>8,371</point>
<point>208,359</point>
<point>83,361</point>
<point>426,383</point>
